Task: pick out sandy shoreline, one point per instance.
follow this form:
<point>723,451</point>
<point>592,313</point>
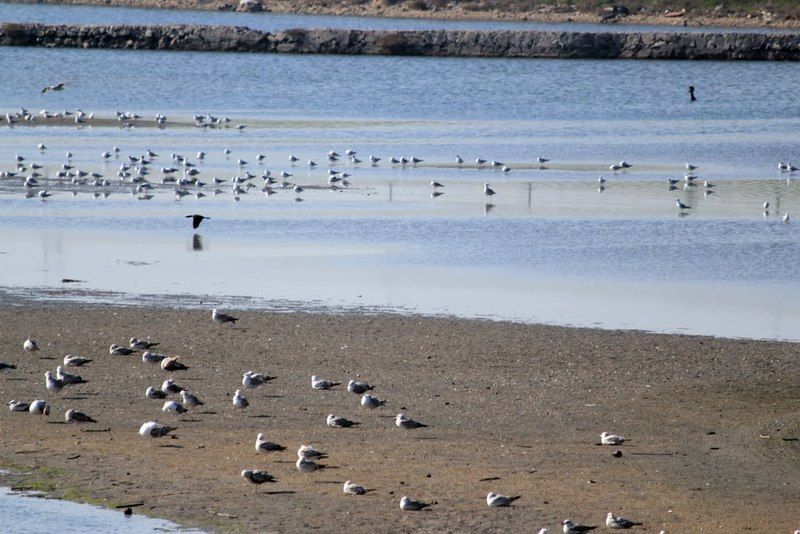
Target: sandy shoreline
<point>712,424</point>
<point>476,12</point>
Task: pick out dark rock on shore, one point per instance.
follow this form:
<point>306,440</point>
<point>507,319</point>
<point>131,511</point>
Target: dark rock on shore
<point>461,43</point>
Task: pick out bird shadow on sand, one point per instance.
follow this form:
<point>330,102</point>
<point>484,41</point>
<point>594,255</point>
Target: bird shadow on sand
<point>56,423</point>
<point>272,396</point>
<point>18,379</point>
<point>76,397</point>
<point>191,420</point>
<point>48,358</point>
<point>171,446</point>
<point>277,492</point>
<point>261,416</point>
<point>207,413</point>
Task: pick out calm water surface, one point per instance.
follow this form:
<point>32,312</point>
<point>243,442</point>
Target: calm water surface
<point>550,246</point>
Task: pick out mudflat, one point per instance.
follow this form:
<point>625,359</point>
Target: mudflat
<point>712,425</point>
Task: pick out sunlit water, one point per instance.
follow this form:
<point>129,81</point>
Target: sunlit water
<point>23,514</point>
<point>64,14</point>
<point>549,247</point>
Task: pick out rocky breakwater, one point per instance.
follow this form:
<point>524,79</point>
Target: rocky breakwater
<point>482,43</point>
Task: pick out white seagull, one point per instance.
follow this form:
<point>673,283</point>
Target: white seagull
<point>251,380</point>
<point>74,416</point>
<point>336,421</point>
<point>308,452</point>
<point>30,344</point>
<point>613,521</point>
<point>262,445</point>
<point>371,402</point>
<point>611,439</point>
<point>307,466</point>
<point>222,318</point>
<point>488,191</point>
<point>75,361</point>
<point>494,500</point>
<point>358,387</point>
<point>353,489</point>
<point>39,407</point>
<point>173,407</point>
<point>407,504</point>
<point>403,421</point>
<point>319,383</point>
<point>239,401</point>
<point>152,429</point>
<point>681,205</point>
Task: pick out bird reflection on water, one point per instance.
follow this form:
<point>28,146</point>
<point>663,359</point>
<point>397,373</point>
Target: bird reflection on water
<point>197,243</point>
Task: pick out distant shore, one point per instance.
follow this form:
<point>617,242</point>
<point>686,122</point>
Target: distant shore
<point>487,11</point>
<point>712,424</point>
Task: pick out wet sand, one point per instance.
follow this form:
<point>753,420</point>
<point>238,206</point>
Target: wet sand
<point>712,424</point>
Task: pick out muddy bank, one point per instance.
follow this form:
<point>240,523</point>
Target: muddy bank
<point>446,43</point>
<point>712,424</point>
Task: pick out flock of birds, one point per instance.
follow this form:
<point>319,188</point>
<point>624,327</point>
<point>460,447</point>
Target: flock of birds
<point>182,176</point>
<point>309,458</point>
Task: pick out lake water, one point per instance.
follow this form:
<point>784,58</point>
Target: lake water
<point>25,514</point>
<point>65,14</point>
<point>549,247</point>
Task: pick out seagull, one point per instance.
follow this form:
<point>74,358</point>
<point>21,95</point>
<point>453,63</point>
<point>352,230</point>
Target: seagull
<point>152,429</point>
<point>494,500</point>
<point>601,180</point>
<point>116,350</point>
<point>190,400</point>
<point>496,163</point>
<point>374,160</point>
<point>681,205</point>
<point>540,159</point>
<point>75,361</point>
<point>251,380</point>
<point>152,357</point>
<point>312,163</point>
<point>625,165</point>
<point>169,386</point>
<point>153,393</point>
<point>708,185</point>
<point>30,344</point>
<point>614,167</point>
<point>488,191</point>
<point>307,466</point>
<point>572,528</point>
<point>318,383</point>
<point>18,406</point>
<point>506,168</point>
<point>690,167</point>
<point>766,206</point>
<point>689,178</point>
<point>336,421</point>
<point>436,184</point>
<point>239,401</point>
<point>141,344</point>
<point>611,439</point>
<point>785,218</point>
<point>308,452</point>
<point>353,489</point>
<point>53,384</point>
<point>68,378</point>
<point>292,159</point>
<point>57,87</point>
<point>174,407</point>
<point>407,504</point>
<point>613,521</point>
<point>263,445</point>
<point>257,477</point>
<point>73,416</point>
<point>459,159</point>
<point>403,421</point>
<point>222,318</point>
<point>39,407</point>
<point>358,387</point>
<point>172,364</point>
<point>370,401</point>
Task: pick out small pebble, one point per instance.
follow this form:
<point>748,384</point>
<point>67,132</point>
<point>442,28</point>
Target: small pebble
<point>617,454</point>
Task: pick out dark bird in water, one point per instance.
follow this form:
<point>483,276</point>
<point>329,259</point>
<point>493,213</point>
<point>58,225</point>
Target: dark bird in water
<point>56,87</point>
<point>692,98</point>
<point>196,219</point>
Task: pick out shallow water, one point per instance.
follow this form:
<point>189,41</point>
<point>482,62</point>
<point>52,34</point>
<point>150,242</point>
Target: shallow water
<point>63,14</point>
<point>25,514</point>
<point>549,247</point>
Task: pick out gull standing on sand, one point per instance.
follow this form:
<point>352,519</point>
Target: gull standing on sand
<point>371,402</point>
<point>262,445</point>
<point>257,477</point>
<point>308,452</point>
<point>75,361</point>
<point>572,528</point>
<point>353,489</point>
<point>153,393</point>
<point>116,350</point>
<point>74,416</point>
<point>239,401</point>
<point>611,439</point>
<point>336,421</point>
<point>152,429</point>
<point>173,407</point>
<point>407,504</point>
<point>39,407</point>
<point>613,521</point>
<point>403,421</point>
<point>307,466</point>
<point>251,380</point>
<point>68,378</point>
<point>494,500</point>
<point>53,384</point>
<point>189,400</point>
<point>222,318</point>
<point>170,387</point>
<point>358,387</point>
<point>319,383</point>
<point>30,344</point>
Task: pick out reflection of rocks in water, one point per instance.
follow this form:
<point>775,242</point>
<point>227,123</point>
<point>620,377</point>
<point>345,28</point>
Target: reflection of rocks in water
<point>197,242</point>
